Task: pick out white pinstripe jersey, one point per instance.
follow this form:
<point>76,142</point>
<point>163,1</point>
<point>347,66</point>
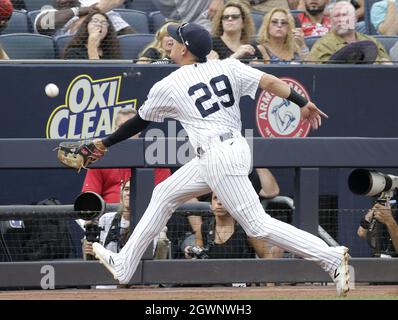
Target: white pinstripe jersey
<point>204,97</point>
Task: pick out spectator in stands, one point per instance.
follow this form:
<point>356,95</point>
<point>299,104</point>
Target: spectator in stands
<point>224,238</point>
<point>3,54</point>
<point>199,12</point>
<point>68,15</point>
<point>233,29</point>
<point>265,6</point>
<point>313,20</point>
<point>279,41</point>
<point>384,17</point>
<point>159,48</point>
<point>6,9</point>
<point>95,39</point>
<point>380,228</point>
<point>106,182</point>
<point>359,6</point>
<point>342,34</point>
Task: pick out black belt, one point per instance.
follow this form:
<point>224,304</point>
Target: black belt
<point>222,137</point>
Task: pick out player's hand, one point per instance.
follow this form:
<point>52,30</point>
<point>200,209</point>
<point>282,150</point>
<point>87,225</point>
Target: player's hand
<point>98,143</point>
<point>314,115</point>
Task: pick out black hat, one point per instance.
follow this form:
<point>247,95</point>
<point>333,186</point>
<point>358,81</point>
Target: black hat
<point>360,52</point>
<point>196,38</point>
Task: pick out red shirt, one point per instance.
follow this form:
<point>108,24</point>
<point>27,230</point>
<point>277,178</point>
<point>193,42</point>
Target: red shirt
<point>314,29</point>
<point>106,182</point>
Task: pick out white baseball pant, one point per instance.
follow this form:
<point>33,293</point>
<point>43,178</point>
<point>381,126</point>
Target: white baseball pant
<point>223,168</point>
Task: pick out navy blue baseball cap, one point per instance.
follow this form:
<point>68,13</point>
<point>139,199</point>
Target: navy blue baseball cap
<point>196,38</point>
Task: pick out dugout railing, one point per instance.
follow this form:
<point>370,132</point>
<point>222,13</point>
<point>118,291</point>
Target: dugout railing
<point>306,155</point>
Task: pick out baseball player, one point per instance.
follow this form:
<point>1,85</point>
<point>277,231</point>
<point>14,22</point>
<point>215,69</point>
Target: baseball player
<point>204,96</point>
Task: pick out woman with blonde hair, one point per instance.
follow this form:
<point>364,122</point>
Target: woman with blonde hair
<point>233,29</point>
<point>159,48</point>
<point>279,41</point>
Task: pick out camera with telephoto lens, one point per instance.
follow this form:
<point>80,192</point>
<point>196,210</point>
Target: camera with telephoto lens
<point>373,183</point>
<point>92,232</point>
<point>196,252</point>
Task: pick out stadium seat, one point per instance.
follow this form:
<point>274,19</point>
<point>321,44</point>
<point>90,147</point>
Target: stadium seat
<point>309,41</point>
<point>140,5</point>
<point>156,20</point>
<point>28,46</point>
<point>31,19</point>
<point>137,19</point>
<point>60,44</point>
<point>18,23</point>
<point>37,4</point>
<point>257,19</point>
<point>386,41</point>
<point>132,44</point>
<point>366,17</point>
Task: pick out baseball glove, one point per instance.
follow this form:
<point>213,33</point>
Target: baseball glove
<point>79,154</point>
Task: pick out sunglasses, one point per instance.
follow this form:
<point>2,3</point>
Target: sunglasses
<point>276,22</point>
<point>179,32</point>
<point>231,16</point>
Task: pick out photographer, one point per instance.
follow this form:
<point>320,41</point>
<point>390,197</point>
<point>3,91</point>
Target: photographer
<point>113,227</point>
<point>379,227</point>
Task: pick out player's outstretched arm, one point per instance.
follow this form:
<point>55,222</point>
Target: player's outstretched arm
<point>128,129</point>
<point>314,115</point>
<point>309,110</point>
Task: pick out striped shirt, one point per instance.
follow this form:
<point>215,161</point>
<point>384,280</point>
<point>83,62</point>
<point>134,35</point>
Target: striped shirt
<point>204,97</point>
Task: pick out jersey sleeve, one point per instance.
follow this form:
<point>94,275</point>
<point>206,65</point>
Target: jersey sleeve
<point>247,77</point>
<point>159,104</point>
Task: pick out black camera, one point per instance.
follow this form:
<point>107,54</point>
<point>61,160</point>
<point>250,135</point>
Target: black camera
<point>373,183</point>
<point>196,252</point>
<point>92,232</point>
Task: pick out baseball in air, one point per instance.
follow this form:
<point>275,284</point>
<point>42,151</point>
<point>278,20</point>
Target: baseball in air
<point>52,90</point>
